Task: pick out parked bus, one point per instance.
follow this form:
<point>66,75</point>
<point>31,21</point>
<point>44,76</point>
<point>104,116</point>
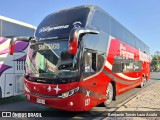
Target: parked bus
<point>12,55</point>
<point>83,57</point>
<point>12,66</point>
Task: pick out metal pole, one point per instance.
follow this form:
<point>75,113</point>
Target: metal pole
<point>157,53</point>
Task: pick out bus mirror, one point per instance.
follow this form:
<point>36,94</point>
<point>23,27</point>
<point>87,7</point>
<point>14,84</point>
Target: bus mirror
<point>73,42</point>
<point>11,49</point>
<point>14,39</point>
<point>22,38</point>
<point>74,36</point>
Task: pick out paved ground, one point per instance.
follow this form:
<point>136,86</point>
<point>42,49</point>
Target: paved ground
<point>148,99</point>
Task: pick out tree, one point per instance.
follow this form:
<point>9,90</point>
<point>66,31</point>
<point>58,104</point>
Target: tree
<point>155,62</point>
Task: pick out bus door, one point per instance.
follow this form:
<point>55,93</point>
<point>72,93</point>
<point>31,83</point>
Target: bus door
<point>89,70</point>
<point>9,85</point>
<point>19,69</point>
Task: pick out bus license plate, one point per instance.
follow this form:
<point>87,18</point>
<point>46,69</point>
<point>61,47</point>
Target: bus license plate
<point>41,101</point>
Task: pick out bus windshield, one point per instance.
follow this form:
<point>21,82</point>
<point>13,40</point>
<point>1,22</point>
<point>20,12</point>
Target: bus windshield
<point>50,60</point>
<point>62,22</point>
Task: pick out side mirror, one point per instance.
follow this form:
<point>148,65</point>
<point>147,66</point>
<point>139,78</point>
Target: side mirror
<point>74,36</point>
<point>14,39</point>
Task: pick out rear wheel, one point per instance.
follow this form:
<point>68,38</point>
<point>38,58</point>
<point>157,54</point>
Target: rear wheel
<point>144,80</point>
<point>109,95</point>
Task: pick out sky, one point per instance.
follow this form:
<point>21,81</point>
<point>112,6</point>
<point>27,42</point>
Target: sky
<point>141,17</point>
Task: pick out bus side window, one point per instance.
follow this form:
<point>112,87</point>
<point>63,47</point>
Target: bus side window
<point>94,62</point>
<point>90,62</point>
<point>100,61</point>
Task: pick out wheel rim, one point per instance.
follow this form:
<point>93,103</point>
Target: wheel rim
<point>143,82</point>
<point>109,94</point>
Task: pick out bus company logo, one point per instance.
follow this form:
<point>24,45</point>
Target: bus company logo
<point>143,56</point>
<point>77,24</point>
<point>49,88</point>
<point>50,28</point>
<point>125,53</point>
<point>57,89</point>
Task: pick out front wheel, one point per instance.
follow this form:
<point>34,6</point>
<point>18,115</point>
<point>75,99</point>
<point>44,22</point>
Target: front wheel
<point>109,94</point>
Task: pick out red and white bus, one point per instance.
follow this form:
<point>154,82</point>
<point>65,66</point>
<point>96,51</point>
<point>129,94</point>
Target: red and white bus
<point>83,57</point>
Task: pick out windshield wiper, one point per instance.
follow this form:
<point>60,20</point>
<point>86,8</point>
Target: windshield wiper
<point>59,78</point>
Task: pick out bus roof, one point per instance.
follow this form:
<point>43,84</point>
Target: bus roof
<point>95,7</point>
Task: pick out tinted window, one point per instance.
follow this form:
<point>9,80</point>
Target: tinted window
<point>98,42</point>
<point>62,22</point>
<point>101,21</point>
<point>130,39</point>
<point>96,45</point>
<point>116,29</point>
<point>140,45</point>
<point>90,62</point>
<point>122,65</point>
<point>100,62</point>
<point>58,46</point>
<point>104,22</point>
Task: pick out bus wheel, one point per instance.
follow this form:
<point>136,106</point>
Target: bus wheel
<point>143,82</point>
<point>109,95</point>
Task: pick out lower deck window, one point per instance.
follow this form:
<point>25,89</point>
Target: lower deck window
<point>126,65</point>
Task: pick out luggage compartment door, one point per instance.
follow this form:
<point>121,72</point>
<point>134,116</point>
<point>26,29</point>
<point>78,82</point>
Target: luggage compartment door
<point>19,72</point>
<point>19,84</point>
<point>9,85</point>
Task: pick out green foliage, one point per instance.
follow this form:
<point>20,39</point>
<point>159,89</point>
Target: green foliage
<point>155,62</point>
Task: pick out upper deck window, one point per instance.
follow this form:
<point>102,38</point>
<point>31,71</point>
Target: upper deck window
<point>101,21</point>
<point>62,22</point>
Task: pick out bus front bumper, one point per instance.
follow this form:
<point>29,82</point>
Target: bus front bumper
<point>72,103</point>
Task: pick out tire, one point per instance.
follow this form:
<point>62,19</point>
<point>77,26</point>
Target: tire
<point>144,80</point>
<point>109,95</point>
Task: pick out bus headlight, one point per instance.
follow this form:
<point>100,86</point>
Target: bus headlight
<point>69,93</point>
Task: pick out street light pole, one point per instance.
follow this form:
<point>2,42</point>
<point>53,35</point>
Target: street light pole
<point>157,54</point>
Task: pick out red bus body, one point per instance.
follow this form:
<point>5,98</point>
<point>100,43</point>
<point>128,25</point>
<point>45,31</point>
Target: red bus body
<point>124,67</point>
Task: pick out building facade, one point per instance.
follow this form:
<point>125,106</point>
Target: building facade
<point>11,27</point>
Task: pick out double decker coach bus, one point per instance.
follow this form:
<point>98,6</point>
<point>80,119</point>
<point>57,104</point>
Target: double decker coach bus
<point>82,57</point>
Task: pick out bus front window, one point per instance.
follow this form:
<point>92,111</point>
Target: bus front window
<point>51,60</point>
